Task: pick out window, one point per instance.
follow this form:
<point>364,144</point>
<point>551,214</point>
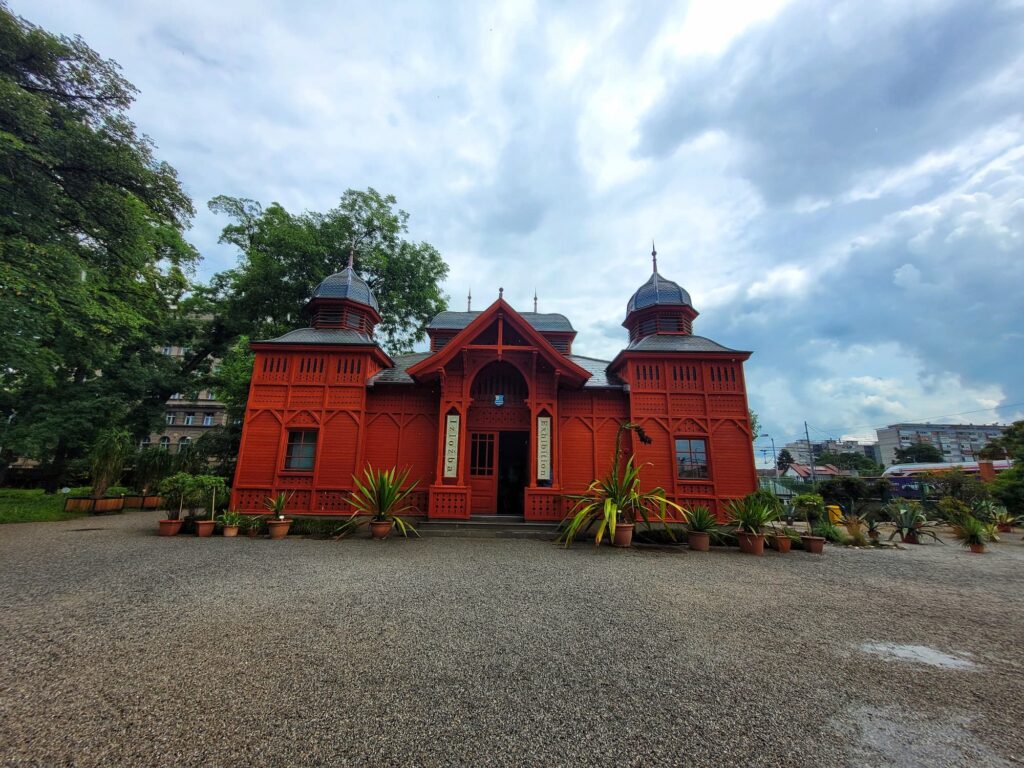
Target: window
<point>301,449</point>
<point>208,420</point>
<point>481,454</point>
<point>144,442</point>
<point>165,442</point>
<point>170,417</point>
<point>189,419</point>
<point>210,395</point>
<point>183,444</point>
<point>168,351</point>
<point>691,458</point>
<point>176,396</point>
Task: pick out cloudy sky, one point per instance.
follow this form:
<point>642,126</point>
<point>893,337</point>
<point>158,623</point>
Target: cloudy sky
<point>839,185</point>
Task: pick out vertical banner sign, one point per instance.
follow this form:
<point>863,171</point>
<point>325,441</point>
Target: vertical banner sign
<point>543,447</point>
<point>451,446</point>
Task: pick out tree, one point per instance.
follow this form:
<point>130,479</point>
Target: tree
<point>109,454</point>
<point>785,460</point>
<point>755,424</point>
<point>1008,487</point>
<point>918,453</point>
<point>284,256</point>
<point>956,484</point>
<point>1010,444</point>
<point>92,255</point>
<point>850,460</point>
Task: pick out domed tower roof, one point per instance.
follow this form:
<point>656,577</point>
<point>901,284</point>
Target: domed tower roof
<point>659,306</point>
<point>656,291</point>
<point>346,285</point>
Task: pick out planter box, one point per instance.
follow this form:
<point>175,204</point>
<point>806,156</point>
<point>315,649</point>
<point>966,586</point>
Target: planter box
<point>152,502</point>
<point>78,504</point>
<point>133,502</point>
<point>107,505</point>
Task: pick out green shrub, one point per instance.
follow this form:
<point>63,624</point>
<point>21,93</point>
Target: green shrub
<point>19,505</point>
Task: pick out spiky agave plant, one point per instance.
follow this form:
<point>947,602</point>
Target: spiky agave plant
<point>617,498</point>
<point>751,514</point>
<point>972,532</point>
<point>380,496</point>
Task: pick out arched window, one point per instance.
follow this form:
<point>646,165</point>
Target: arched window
<point>184,443</point>
<point>165,442</point>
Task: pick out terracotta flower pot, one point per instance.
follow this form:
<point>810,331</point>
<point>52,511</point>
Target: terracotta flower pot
<point>699,541</point>
<point>230,530</point>
<point>278,529</point>
<point>1004,527</point>
<point>623,535</point>
<point>170,527</point>
<point>978,549</point>
<point>783,544</point>
<point>910,537</point>
<point>751,543</point>
<point>813,544</point>
<point>873,535</point>
<point>252,533</point>
<point>205,528</point>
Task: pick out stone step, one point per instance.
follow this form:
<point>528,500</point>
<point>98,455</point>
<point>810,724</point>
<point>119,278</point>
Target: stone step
<point>499,526</point>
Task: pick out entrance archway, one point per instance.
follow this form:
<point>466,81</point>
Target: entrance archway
<point>499,440</point>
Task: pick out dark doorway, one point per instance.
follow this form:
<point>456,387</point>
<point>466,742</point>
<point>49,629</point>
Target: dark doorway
<point>513,466</point>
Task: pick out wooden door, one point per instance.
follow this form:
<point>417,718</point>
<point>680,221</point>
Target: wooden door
<point>483,472</point>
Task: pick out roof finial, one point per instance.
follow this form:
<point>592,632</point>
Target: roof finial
<point>351,262</point>
<point>501,293</point>
<point>654,256</point>
<point>535,301</point>
<point>469,301</point>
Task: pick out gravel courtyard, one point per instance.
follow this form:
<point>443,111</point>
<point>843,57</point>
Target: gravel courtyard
<point>121,648</point>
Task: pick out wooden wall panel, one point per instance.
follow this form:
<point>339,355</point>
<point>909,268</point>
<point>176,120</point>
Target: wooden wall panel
<point>339,446</point>
<point>257,457</point>
<point>732,459</point>
<point>418,448</point>
<point>577,451</point>
<point>382,438</point>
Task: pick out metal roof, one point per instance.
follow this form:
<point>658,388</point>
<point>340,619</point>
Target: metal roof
<point>657,291</point>
<point>322,336</point>
<point>346,285</point>
<point>540,321</point>
<point>398,375</point>
<point>677,342</point>
<point>600,378</point>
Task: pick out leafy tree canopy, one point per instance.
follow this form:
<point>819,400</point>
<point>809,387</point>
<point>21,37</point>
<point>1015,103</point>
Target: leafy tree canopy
<point>92,257</point>
<point>284,256</point>
<point>918,453</point>
<point>785,460</point>
<point>1009,444</point>
<point>850,460</point>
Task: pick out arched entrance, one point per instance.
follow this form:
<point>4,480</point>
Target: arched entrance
<point>499,440</point>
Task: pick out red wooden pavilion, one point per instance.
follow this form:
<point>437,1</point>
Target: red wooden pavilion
<point>499,416</point>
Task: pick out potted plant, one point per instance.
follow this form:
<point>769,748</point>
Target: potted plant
<point>230,521</point>
<point>700,523</point>
<point>214,486</point>
<point>379,501</point>
<point>252,525</point>
<point>909,522</point>
<point>781,538</point>
<point>278,524</point>
<point>751,515</point>
<point>177,490</point>
<point>855,526</point>
<point>811,507</point>
<point>972,533</point>
<point>1003,519</point>
<point>872,523</point>
<point>616,502</point>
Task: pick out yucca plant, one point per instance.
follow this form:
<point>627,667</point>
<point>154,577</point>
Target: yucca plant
<point>380,497</point>
<point>974,533</point>
<point>277,504</point>
<point>700,520</point>
<point>909,521</point>
<point>751,514</point>
<point>855,528</point>
<point>617,498</point>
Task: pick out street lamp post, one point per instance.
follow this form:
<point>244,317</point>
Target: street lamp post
<point>775,459</point>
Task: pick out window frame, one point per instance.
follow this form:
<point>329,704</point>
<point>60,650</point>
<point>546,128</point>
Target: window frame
<point>304,443</point>
<point>690,452</point>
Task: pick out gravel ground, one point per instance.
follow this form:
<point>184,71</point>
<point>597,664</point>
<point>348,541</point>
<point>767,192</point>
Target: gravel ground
<point>121,648</point>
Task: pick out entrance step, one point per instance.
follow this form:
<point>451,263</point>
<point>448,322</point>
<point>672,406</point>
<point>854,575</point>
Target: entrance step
<point>493,526</point>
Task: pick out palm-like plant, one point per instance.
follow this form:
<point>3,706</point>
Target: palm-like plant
<point>700,520</point>
<point>617,498</point>
<point>276,504</point>
<point>909,521</point>
<point>974,533</point>
<point>109,453</point>
<point>379,497</point>
<point>751,514</point>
